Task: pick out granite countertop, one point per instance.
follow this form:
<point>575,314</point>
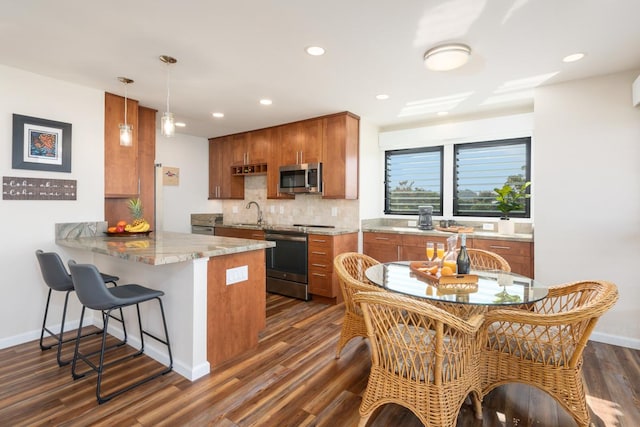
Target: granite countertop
<point>162,247</point>
<point>475,235</point>
<point>328,231</point>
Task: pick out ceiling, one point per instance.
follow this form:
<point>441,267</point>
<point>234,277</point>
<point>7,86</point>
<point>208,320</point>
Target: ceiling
<point>233,53</point>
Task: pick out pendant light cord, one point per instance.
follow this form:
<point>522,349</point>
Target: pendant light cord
<point>125,104</point>
<point>168,86</point>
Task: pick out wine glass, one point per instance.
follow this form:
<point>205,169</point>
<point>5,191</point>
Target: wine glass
<point>440,251</point>
<point>430,251</point>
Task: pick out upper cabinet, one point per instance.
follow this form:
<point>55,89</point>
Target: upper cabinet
<point>222,185</point>
<point>340,151</point>
<point>129,172</point>
<point>332,140</point>
<point>301,142</point>
<point>120,163</point>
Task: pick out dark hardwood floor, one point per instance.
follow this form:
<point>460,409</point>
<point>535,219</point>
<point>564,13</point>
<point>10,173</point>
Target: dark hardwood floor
<point>291,379</point>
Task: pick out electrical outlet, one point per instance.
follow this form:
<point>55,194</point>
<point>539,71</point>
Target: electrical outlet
<point>272,209</point>
<point>237,274</point>
<point>281,209</point>
<point>334,211</point>
<point>234,209</point>
<point>412,223</point>
<point>487,227</point>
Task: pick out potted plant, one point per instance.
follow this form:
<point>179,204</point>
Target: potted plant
<point>510,198</point>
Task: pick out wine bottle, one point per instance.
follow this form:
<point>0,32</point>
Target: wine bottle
<point>463,261</point>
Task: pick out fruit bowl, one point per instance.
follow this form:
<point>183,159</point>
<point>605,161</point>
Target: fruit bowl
<point>127,233</point>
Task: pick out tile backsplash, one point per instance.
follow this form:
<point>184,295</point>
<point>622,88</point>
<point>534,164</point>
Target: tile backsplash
<point>304,209</point>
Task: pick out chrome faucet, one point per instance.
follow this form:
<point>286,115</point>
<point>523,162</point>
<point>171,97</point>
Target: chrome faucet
<point>259,210</point>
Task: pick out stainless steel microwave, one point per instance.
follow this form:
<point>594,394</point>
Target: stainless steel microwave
<point>301,178</point>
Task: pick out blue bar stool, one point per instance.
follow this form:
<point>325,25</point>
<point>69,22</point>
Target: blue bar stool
<point>57,278</point>
<point>94,294</point>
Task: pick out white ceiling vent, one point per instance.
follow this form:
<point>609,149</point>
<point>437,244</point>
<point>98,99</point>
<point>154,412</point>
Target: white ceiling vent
<point>636,92</point>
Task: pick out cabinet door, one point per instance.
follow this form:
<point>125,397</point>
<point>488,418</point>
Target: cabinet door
<point>238,149</point>
<point>274,160</point>
<point>239,233</point>
<point>290,143</point>
<point>311,140</point>
<point>340,145</point>
<point>519,255</point>
<point>383,247</point>
<point>221,184</point>
<point>120,163</point>
<point>258,145</point>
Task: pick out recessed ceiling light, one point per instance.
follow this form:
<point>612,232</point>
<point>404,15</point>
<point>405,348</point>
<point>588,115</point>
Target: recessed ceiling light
<point>443,113</point>
<point>573,57</point>
<point>218,115</point>
<point>315,50</point>
<point>382,96</point>
<point>447,57</point>
<point>181,124</point>
<point>266,102</point>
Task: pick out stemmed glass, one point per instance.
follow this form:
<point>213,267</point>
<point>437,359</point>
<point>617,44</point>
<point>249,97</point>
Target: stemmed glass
<point>430,251</point>
<point>440,251</point>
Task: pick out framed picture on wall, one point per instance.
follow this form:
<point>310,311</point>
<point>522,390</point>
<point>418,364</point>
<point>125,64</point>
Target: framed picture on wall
<point>40,144</point>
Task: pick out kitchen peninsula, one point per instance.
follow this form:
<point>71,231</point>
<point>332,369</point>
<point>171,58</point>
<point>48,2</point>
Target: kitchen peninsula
<point>214,288</point>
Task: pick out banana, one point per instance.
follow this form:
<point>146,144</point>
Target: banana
<point>142,227</point>
<point>141,244</point>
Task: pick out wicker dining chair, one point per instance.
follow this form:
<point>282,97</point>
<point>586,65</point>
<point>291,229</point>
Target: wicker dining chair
<point>422,358</point>
<point>486,260</point>
<point>543,347</point>
<point>350,268</point>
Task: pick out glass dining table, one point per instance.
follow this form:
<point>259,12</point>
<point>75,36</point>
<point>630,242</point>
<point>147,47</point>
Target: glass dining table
<point>493,287</point>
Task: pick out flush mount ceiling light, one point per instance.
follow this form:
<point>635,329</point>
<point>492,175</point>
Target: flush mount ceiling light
<point>573,57</point>
<point>447,57</point>
<point>167,123</point>
<point>315,50</point>
<point>218,115</point>
<point>382,97</point>
<point>266,102</point>
<point>126,137</point>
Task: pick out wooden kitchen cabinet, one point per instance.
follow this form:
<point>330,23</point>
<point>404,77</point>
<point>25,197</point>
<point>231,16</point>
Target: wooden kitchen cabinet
<point>250,148</point>
<point>120,163</point>
<point>322,249</point>
<point>519,255</point>
<point>301,142</point>
<point>340,148</point>
<point>222,185</point>
<point>129,171</point>
<point>240,233</point>
<point>413,247</point>
<point>383,247</point>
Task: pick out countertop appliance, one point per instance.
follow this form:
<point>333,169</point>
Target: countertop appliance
<point>205,223</point>
<point>425,217</point>
<point>300,178</point>
<point>287,264</point>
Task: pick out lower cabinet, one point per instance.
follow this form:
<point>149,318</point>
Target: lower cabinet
<point>323,281</point>
<point>388,247</point>
<point>241,233</point>
<point>519,255</point>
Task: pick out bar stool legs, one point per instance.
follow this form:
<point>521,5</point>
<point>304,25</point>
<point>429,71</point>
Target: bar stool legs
<point>94,294</point>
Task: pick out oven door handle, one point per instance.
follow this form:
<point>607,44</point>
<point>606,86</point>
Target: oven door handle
<point>287,237</point>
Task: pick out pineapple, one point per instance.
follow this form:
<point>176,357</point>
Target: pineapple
<point>135,208</point>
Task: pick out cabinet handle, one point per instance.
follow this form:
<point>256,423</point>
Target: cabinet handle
<point>301,158</point>
<point>319,240</point>
<point>320,265</point>
<point>398,252</point>
<point>319,274</point>
<point>382,238</point>
<point>260,236</point>
<point>318,253</point>
<point>499,247</point>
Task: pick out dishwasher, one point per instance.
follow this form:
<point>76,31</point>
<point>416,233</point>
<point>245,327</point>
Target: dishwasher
<point>287,264</point>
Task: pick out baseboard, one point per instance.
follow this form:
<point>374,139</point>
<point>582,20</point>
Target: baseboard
<point>34,335</point>
<point>615,340</point>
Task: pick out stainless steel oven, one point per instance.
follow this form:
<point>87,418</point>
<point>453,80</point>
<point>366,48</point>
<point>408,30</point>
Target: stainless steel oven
<point>287,264</point>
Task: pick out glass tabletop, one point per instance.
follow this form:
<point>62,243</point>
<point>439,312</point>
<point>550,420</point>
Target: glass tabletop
<point>493,288</point>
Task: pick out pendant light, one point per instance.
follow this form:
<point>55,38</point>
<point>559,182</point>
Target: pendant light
<point>126,134</point>
<point>168,123</point>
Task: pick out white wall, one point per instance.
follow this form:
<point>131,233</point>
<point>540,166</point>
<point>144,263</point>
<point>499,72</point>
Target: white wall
<point>371,173</point>
<point>191,155</point>
<point>587,210</point>
<point>29,225</point>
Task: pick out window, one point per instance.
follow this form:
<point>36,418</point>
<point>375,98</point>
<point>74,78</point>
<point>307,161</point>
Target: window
<point>413,178</point>
<point>480,167</point>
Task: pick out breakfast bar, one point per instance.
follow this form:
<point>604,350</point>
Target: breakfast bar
<point>214,288</point>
